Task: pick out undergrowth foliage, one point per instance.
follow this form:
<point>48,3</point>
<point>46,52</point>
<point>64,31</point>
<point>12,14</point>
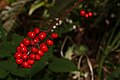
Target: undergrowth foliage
<point>59,40</point>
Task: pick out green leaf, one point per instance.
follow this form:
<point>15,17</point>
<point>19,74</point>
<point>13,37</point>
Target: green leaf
<point>35,6</point>
<point>3,73</point>
<point>13,68</point>
<point>16,39</point>
<point>62,65</point>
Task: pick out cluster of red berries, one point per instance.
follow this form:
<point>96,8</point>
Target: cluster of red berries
<point>86,14</point>
<point>33,47</point>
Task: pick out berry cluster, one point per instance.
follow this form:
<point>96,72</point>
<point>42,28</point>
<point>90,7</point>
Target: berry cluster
<point>86,14</point>
<point>33,47</point>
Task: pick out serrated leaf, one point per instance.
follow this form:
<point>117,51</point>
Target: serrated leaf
<point>3,73</point>
<point>62,65</point>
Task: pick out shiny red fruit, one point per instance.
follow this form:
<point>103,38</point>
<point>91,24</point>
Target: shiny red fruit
<point>19,61</point>
<point>36,40</point>
<point>42,35</point>
<point>23,49</point>
<point>43,47</point>
<point>24,56</point>
<point>40,53</point>
<point>54,35</point>
<point>37,57</point>
<point>34,49</point>
<point>29,66</point>
<point>32,56</point>
<point>32,42</point>
<point>21,44</point>
<point>31,62</point>
<point>26,42</point>
<point>25,64</point>
<point>86,15</point>
<point>18,55</point>
<point>36,30</point>
<point>82,13</point>
<point>90,14</point>
<point>18,49</point>
<point>49,42</point>
<point>31,34</point>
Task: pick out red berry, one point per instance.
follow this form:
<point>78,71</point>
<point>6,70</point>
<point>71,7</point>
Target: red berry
<point>34,49</point>
<point>37,57</point>
<point>43,47</point>
<point>36,40</point>
<point>86,15</point>
<point>19,61</point>
<point>18,49</point>
<point>25,64</point>
<point>54,35</point>
<point>40,53</point>
<point>29,66</point>
<point>24,56</point>
<point>18,55</point>
<point>31,34</point>
<point>26,42</point>
<point>90,14</point>
<point>82,13</point>
<point>49,42</point>
<point>32,42</point>
<point>32,56</point>
<point>37,30</point>
<point>23,49</point>
<point>42,35</point>
<point>21,44</point>
<point>31,62</point>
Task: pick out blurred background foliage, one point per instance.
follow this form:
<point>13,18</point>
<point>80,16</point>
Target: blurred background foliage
<point>87,48</point>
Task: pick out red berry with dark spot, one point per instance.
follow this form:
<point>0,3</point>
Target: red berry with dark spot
<point>19,61</point>
<point>40,53</point>
<point>32,56</point>
<point>42,35</point>
<point>37,57</point>
<point>23,49</point>
<point>31,62</point>
<point>25,64</point>
<point>24,56</point>
<point>49,42</point>
<point>31,34</point>
<point>18,55</point>
<point>90,14</point>
<point>36,30</point>
<point>26,42</point>
<point>82,13</point>
<point>34,49</point>
<point>43,47</point>
<point>54,35</point>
